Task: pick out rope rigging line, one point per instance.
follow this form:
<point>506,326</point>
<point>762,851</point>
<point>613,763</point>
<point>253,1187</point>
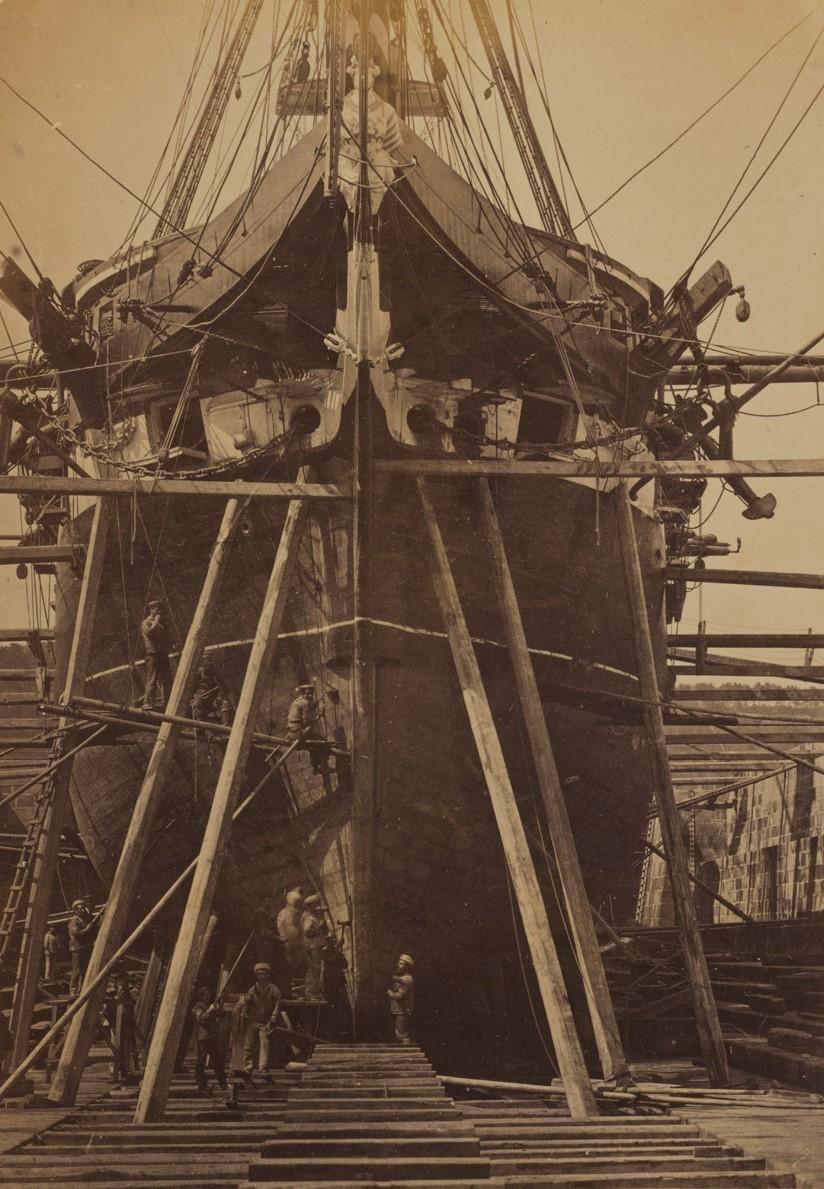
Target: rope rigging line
<point>177,129</point>
<point>714,231</point>
<point>671,144</point>
<point>112,178</point>
<point>543,92</point>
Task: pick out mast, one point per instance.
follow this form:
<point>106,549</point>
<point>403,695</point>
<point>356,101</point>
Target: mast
<point>363,666</point>
<point>182,194</point>
<point>547,198</point>
<point>335,86</point>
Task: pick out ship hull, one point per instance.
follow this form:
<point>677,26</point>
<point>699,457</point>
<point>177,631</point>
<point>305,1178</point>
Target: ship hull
<point>440,887</point>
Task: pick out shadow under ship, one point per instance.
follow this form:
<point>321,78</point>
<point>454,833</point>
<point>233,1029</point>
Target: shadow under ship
<point>389,298</point>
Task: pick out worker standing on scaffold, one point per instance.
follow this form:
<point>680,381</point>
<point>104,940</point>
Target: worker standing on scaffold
<point>154,636</point>
<point>300,724</point>
<point>81,927</point>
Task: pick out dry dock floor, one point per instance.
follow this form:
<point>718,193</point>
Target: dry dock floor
<point>376,1115</point>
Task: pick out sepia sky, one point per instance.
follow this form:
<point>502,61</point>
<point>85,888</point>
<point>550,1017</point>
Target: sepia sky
<point>624,79</point>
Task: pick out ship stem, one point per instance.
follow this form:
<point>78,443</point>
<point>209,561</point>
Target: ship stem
<point>365,1015</point>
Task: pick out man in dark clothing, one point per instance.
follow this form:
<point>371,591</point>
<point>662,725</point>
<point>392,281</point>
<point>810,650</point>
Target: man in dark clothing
<point>119,1014</point>
<point>209,700</point>
<point>81,927</point>
<point>300,722</point>
<point>155,638</point>
<point>210,1039</point>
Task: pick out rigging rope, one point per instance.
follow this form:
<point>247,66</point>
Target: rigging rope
<point>671,144</point>
<point>711,237</point>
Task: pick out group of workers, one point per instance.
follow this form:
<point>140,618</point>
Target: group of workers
<point>210,701</point>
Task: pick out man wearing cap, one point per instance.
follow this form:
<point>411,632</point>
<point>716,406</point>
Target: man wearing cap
<point>81,925</point>
<point>210,702</point>
<point>154,636</point>
<point>402,998</point>
<point>261,1006</point>
<point>300,722</point>
<point>314,933</point>
<point>210,1039</point>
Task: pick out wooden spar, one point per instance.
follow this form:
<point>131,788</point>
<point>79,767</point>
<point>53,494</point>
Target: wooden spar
<point>180,981</point>
<point>607,468</point>
<point>66,1080</point>
<point>728,667</point>
<point>746,578</point>
<point>703,798</point>
<point>227,488</point>
<point>602,1013</point>
<point>684,374</point>
<point>516,848</point>
<point>45,858</point>
<point>776,735</point>
<point>15,554</point>
<point>699,883</point>
<point>749,640</point>
<point>747,693</point>
<point>706,1014</point>
<point>136,933</point>
<point>24,634</point>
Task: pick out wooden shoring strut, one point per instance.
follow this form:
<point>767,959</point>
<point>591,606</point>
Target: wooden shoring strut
<point>180,981</point>
<point>533,912</point>
<point>706,1014</point>
<point>602,1013</point>
<point>122,950</point>
<point>66,1081</point>
<point>46,855</point>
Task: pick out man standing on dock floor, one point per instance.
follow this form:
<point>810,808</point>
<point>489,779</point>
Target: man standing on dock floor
<point>261,1006</point>
<point>402,998</point>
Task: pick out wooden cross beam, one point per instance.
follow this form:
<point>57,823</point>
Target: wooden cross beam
<point>748,639</point>
<point>746,578</point>
<point>227,488</point>
<point>605,468</point>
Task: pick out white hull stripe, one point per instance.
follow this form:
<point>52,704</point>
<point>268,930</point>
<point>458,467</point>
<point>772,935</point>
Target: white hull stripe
<point>397,627</point>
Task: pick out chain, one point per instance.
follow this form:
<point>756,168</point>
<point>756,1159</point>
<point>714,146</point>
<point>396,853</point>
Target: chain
<point>69,437</point>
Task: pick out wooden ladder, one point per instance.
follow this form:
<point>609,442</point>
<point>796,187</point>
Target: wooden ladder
<point>15,901</point>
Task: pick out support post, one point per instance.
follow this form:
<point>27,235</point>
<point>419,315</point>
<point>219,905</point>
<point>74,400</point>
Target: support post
<point>66,1081</point>
<point>122,950</point>
<point>602,1013</point>
<point>44,863</point>
<point>516,848</point>
<point>706,1014</point>
<point>183,966</point>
